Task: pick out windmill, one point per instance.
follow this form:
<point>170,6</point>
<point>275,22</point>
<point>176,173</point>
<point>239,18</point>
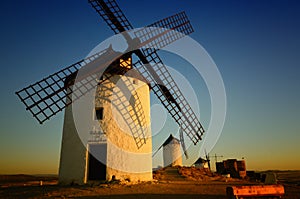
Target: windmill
<point>207,159</point>
<point>207,156</point>
<point>55,93</point>
<point>203,163</point>
<point>171,150</point>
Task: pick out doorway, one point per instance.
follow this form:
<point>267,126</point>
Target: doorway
<point>96,161</point>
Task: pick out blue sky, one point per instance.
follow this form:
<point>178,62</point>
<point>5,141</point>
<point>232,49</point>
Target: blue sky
<point>255,45</point>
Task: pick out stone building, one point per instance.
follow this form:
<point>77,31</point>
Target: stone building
<point>236,168</point>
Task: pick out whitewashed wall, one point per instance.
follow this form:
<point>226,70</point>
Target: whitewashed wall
<point>126,103</point>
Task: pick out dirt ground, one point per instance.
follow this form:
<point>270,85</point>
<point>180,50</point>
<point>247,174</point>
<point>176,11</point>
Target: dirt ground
<point>168,183</point>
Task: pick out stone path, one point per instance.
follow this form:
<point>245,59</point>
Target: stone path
<point>171,174</point>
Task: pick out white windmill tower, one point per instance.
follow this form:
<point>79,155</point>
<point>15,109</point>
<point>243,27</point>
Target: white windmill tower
<point>125,130</point>
<point>172,152</point>
<point>172,155</point>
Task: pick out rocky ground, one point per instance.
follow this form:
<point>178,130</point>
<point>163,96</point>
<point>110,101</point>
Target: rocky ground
<point>172,183</point>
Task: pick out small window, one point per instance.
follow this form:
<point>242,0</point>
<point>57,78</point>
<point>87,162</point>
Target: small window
<point>126,63</point>
<point>134,81</point>
<point>99,113</point>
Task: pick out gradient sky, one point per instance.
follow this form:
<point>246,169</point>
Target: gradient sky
<point>255,45</point>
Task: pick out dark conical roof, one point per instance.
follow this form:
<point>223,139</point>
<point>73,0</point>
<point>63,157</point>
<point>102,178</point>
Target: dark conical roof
<point>200,160</point>
<point>170,139</point>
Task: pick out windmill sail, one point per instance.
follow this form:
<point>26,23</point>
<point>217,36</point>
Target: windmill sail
<point>117,21</point>
<point>182,142</point>
<point>167,31</point>
<point>46,97</point>
<point>165,88</point>
<point>207,159</point>
<point>170,96</point>
<point>112,15</point>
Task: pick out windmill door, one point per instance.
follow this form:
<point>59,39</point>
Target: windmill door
<point>97,162</point>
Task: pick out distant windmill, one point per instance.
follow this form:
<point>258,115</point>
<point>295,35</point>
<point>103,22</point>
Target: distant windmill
<point>207,159</point>
<point>171,150</point>
<point>53,94</point>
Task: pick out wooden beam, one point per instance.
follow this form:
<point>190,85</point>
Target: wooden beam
<point>255,191</point>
